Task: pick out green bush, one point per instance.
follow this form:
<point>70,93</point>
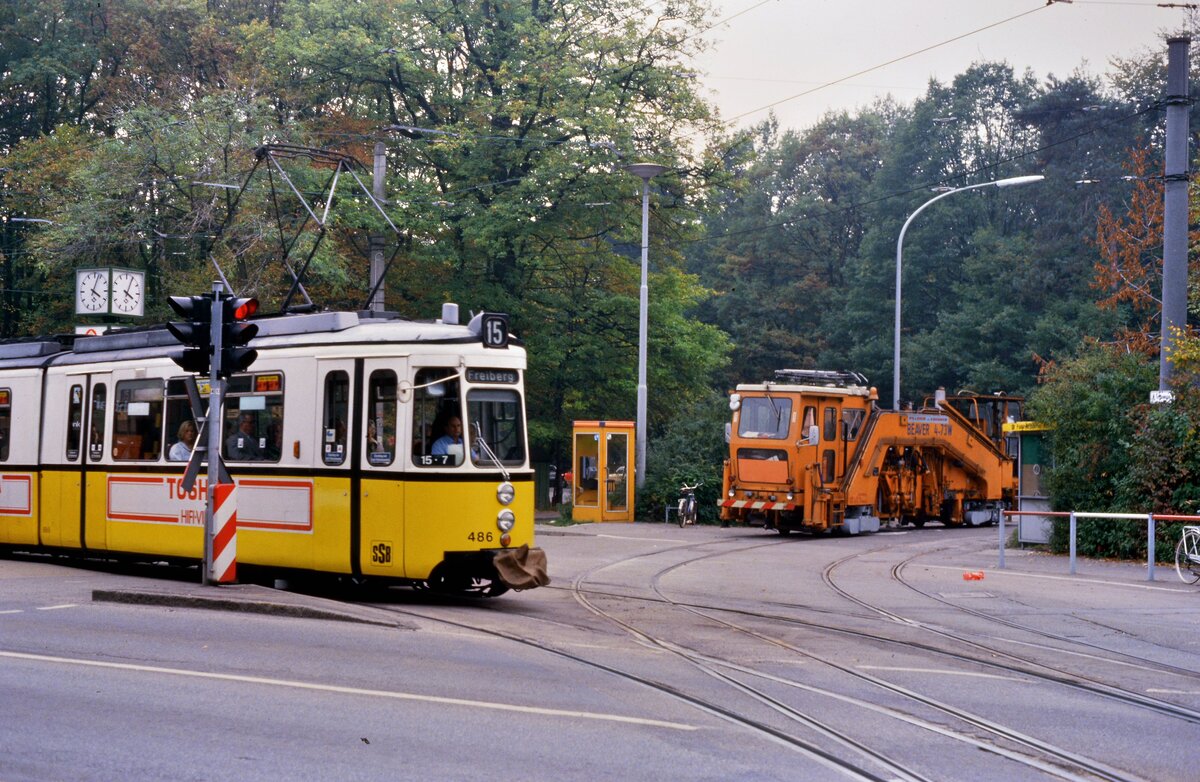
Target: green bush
<point>691,449</point>
<point>1114,452</point>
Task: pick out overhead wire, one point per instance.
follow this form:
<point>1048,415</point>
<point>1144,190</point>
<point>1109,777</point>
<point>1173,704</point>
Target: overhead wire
<point>893,61</point>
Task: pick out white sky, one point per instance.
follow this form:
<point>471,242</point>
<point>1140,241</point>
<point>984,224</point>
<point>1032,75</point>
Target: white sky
<point>768,52</point>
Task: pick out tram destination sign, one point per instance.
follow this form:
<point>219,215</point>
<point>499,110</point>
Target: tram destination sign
<point>507,376</point>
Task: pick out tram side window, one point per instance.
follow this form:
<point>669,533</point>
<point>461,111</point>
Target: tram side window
<point>337,413</point>
<point>74,423</point>
<point>828,462</point>
<point>181,429</point>
<point>96,430</point>
<point>254,418</point>
<point>498,413</point>
<point>381,418</point>
<point>138,420</point>
<point>437,407</point>
<point>5,422</point>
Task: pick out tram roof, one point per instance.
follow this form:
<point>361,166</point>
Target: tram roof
<point>273,332</point>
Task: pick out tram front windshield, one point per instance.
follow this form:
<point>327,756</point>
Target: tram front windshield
<point>497,412</point>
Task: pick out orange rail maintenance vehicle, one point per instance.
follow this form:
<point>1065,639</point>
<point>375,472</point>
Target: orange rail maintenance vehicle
<point>812,450</point>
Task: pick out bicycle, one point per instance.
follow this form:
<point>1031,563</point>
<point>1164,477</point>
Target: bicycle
<point>687,505</point>
<point>1187,555</point>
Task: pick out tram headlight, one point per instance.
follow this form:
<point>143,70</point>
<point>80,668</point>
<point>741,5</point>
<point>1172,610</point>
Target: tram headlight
<point>505,493</point>
<point>505,520</point>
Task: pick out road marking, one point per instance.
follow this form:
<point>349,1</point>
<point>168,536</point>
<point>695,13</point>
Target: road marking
<point>55,608</point>
<point>1175,692</point>
<point>1072,579</point>
<point>940,671</point>
<point>13,611</point>
<point>332,688</point>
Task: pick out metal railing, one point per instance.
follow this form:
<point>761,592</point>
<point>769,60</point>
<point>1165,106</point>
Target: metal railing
<point>1151,520</point>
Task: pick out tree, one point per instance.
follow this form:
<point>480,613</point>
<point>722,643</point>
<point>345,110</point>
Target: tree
<point>780,247</point>
<point>507,126</point>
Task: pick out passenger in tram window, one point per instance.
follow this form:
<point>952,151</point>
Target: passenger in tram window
<point>451,442</point>
<point>182,450</point>
<point>373,443</point>
<point>242,445</point>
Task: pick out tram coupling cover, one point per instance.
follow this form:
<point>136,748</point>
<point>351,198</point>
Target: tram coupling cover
<point>522,568</point>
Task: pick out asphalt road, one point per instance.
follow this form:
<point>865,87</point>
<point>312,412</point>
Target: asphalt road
<point>657,653</point>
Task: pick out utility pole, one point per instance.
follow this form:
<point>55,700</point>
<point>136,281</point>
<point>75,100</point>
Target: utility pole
<point>376,243</point>
<point>1175,208</point>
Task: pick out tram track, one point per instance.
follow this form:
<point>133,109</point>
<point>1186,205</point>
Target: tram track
<point>865,762</point>
<point>709,706</point>
<point>709,665</point>
<point>1087,765</point>
<point>1025,665</point>
<point>1113,657</point>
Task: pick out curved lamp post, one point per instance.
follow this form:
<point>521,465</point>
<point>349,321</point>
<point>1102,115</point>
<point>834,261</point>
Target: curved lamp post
<point>1010,182</point>
<point>646,172</point>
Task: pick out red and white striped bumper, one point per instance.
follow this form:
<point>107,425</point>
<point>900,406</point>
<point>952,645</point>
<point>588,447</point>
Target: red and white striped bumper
<point>758,505</point>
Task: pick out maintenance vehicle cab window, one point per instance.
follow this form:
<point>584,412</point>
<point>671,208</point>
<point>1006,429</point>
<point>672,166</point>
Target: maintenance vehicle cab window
<point>765,416</point>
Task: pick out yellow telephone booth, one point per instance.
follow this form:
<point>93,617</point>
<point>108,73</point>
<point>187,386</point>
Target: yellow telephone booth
<point>602,471</point>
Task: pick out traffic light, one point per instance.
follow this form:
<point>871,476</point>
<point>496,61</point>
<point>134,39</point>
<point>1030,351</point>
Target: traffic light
<point>195,334</point>
<point>235,357</point>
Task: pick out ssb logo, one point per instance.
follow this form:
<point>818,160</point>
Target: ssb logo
<point>381,552</point>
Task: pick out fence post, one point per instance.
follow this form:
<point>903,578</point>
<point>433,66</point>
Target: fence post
<point>1001,526</point>
<point>1072,542</point>
<point>1149,546</point>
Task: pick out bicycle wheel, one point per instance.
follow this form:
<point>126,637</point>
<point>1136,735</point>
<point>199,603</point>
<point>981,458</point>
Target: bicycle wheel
<point>679,515</point>
<point>1187,568</point>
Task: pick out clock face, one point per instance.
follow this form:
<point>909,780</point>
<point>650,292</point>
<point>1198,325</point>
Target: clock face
<point>91,291</point>
<point>127,292</point>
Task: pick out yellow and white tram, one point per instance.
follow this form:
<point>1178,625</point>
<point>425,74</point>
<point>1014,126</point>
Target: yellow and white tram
<point>329,435</point>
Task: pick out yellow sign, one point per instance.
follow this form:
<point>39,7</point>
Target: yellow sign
<point>1026,426</point>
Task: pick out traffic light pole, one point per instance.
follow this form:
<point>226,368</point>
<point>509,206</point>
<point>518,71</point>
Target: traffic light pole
<point>213,428</point>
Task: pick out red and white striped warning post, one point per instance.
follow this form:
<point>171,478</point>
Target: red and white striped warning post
<point>224,545</point>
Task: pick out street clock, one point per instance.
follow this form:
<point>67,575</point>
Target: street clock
<point>91,291</point>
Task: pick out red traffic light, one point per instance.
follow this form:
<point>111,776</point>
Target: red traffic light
<point>240,309</point>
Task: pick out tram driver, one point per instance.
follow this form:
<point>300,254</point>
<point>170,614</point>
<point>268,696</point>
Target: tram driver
<point>451,442</point>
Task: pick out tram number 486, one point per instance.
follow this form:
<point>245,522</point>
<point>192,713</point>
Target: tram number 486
<point>381,553</point>
<point>480,537</point>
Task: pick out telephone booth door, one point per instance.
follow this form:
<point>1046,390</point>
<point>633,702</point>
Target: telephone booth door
<point>602,471</point>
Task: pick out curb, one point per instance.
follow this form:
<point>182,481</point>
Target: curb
<point>248,606</point>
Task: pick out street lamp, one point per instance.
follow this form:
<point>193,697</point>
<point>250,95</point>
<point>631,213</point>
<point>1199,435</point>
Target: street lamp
<point>646,172</point>
<point>1010,182</point>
